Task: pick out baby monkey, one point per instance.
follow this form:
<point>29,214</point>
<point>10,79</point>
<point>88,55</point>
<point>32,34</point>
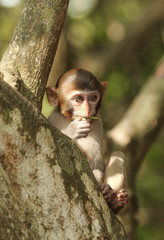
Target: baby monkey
<point>77,97</point>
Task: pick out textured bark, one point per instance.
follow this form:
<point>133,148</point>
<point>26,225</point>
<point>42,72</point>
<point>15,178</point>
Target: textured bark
<point>28,59</point>
<point>47,188</point>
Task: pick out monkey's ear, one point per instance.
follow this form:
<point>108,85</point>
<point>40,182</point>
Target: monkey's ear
<point>52,96</point>
<point>104,86</point>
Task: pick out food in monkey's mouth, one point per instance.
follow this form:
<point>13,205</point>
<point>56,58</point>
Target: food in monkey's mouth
<point>85,118</point>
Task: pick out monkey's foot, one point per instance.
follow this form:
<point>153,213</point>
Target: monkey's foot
<point>119,201</point>
<point>108,193</point>
<point>115,199</point>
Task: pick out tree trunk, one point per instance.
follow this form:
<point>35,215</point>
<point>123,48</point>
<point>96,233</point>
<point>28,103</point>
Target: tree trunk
<point>27,61</point>
<point>47,188</point>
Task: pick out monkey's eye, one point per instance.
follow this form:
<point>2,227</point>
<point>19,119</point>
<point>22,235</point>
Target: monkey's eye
<point>78,99</point>
<point>93,98</point>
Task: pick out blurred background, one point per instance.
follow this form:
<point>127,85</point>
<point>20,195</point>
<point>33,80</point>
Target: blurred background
<point>120,42</point>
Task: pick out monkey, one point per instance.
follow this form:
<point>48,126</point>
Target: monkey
<point>77,97</point>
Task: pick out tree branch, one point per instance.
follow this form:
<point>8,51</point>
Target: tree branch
<point>28,59</point>
<point>144,118</point>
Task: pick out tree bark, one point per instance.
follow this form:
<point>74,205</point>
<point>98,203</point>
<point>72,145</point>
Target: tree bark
<point>47,188</point>
<point>28,59</point>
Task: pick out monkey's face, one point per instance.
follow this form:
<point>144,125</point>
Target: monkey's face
<point>78,93</point>
<point>83,103</point>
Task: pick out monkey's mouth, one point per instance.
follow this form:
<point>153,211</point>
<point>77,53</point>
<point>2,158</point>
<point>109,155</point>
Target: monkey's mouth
<point>85,118</point>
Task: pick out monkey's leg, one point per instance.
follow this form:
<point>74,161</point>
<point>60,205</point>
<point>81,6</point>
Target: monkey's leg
<point>115,182</point>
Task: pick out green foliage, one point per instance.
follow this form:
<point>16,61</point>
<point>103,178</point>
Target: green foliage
<point>151,231</point>
<point>118,86</point>
<point>150,184</point>
<point>47,109</point>
<point>151,176</point>
<point>8,19</point>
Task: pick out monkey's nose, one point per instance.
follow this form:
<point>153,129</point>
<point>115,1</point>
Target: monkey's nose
<point>85,110</point>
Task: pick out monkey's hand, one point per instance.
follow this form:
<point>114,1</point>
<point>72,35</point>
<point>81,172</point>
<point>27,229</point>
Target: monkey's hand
<point>77,129</point>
